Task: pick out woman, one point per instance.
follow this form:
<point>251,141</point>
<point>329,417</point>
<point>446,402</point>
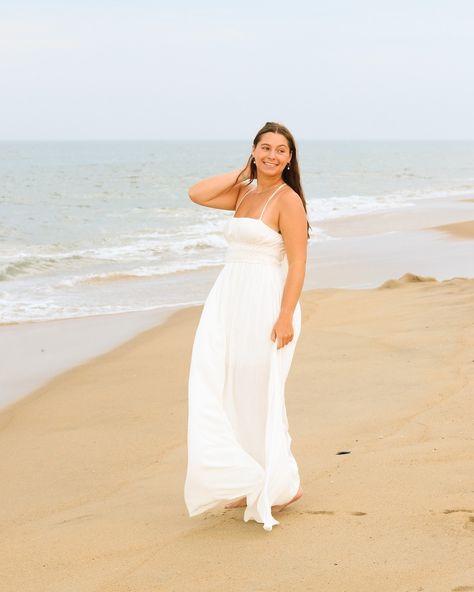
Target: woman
<point>238,439</point>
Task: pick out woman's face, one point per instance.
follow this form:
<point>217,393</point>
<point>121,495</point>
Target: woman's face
<point>272,154</point>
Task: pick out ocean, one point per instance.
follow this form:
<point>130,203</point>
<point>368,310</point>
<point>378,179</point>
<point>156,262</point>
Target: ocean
<point>101,227</point>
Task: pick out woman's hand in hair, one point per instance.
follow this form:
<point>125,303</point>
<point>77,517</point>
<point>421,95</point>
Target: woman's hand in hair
<point>246,172</point>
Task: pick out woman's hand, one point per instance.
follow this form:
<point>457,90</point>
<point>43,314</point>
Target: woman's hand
<point>282,331</point>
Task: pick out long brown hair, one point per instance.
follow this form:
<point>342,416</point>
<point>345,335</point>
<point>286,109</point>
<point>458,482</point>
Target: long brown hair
<point>290,176</point>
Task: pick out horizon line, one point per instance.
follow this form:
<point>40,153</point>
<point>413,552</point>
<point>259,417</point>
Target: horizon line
<point>233,140</point>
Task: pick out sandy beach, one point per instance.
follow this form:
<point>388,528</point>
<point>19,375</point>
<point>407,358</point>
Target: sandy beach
<point>94,461</point>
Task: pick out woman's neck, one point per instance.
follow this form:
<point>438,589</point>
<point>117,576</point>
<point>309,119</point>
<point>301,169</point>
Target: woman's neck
<point>266,184</point>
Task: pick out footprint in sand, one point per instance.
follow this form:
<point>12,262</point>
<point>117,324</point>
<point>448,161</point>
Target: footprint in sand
<point>463,589</point>
<point>469,522</point>
<point>76,518</point>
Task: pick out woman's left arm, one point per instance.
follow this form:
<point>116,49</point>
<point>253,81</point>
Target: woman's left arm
<point>293,226</point>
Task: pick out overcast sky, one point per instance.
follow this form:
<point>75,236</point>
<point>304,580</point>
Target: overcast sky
<point>340,69</point>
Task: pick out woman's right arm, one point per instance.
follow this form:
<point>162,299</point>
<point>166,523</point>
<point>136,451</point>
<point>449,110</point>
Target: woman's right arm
<point>219,191</point>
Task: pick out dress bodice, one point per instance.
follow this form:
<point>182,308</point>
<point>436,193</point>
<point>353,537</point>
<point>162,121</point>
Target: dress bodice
<point>253,241</point>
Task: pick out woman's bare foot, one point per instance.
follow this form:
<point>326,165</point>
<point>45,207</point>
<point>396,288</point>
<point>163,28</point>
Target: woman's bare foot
<point>240,503</point>
<point>280,507</point>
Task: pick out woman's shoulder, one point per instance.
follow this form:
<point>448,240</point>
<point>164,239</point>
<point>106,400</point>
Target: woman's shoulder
<point>288,190</point>
<point>289,199</point>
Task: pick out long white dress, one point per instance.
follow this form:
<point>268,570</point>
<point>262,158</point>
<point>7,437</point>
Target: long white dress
<point>238,438</point>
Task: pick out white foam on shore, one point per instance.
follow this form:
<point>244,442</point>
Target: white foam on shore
<point>45,282</point>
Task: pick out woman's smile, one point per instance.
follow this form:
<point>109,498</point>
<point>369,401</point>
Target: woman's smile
<point>272,153</point>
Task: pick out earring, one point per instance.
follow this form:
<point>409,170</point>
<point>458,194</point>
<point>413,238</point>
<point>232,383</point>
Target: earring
<point>253,161</point>
<point>288,166</point>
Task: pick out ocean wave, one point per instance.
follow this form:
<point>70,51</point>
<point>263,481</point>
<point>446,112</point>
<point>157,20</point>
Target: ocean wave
<point>181,247</point>
<point>26,264</point>
<point>35,311</point>
<point>152,247</point>
<point>138,273</point>
<point>325,208</point>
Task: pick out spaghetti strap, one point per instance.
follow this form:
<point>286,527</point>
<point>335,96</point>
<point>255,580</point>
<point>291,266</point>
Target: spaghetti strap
<point>274,193</point>
<point>243,197</point>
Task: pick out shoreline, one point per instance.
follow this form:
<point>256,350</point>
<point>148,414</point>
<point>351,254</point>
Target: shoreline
<point>55,346</point>
<point>366,250</point>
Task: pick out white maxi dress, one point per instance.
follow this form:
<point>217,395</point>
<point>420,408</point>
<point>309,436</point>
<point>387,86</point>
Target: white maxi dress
<point>238,439</point>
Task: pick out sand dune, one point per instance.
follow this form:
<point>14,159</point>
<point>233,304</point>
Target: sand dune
<point>93,463</point>
<point>408,278</point>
